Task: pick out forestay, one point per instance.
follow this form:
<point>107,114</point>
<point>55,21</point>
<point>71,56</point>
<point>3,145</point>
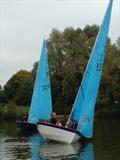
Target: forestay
<point>83,108</point>
<point>41,105</point>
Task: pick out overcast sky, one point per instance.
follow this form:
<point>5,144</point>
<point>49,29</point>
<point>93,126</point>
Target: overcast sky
<point>24,24</point>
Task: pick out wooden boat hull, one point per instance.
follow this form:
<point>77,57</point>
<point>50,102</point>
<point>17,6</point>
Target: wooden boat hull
<point>26,126</point>
<point>58,133</point>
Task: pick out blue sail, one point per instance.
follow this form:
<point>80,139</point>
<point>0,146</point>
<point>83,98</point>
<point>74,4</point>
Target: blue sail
<point>83,108</point>
<point>41,104</point>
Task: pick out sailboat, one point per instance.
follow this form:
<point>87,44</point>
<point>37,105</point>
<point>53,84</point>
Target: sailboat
<point>82,114</point>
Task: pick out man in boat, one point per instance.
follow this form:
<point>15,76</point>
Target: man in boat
<point>53,118</point>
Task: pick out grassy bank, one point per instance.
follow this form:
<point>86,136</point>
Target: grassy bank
<point>11,111</point>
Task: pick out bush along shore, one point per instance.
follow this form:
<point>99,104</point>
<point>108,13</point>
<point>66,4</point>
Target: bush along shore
<point>110,111</point>
<point>11,111</point>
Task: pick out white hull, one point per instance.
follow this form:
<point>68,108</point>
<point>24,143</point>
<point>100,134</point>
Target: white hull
<point>58,133</point>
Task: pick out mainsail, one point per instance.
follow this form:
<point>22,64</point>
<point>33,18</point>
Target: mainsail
<point>83,108</point>
<point>41,105</point>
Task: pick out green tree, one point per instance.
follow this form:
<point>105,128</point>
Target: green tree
<point>24,94</point>
<point>69,52</point>
<point>110,88</point>
<point>34,70</point>
<point>2,95</point>
<point>68,55</point>
<point>91,31</point>
<point>56,61</point>
<point>12,86</point>
<point>0,87</point>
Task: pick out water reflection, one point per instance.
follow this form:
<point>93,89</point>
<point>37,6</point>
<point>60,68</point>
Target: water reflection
<point>87,152</point>
<point>52,150</point>
<point>36,140</point>
<point>49,150</point>
<point>15,145</point>
<point>12,146</point>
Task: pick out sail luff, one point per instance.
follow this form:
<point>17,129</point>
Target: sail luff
<point>83,108</point>
<point>41,104</point>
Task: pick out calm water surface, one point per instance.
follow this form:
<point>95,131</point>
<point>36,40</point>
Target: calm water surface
<point>105,144</point>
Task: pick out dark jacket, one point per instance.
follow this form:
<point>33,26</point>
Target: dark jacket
<point>53,121</point>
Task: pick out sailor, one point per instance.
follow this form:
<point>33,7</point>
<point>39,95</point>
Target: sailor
<point>53,118</point>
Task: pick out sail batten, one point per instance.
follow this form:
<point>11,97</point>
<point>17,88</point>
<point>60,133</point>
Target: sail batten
<point>41,104</point>
<point>83,108</point>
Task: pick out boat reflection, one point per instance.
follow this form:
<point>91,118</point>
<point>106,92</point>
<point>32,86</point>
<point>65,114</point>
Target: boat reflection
<point>52,150</point>
<point>49,150</point>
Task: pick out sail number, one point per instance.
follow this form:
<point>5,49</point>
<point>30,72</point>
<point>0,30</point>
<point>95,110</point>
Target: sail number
<point>99,66</point>
<point>45,87</point>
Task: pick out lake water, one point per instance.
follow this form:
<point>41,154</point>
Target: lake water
<point>105,144</point>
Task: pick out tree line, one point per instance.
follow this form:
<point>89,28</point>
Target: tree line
<point>68,54</point>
